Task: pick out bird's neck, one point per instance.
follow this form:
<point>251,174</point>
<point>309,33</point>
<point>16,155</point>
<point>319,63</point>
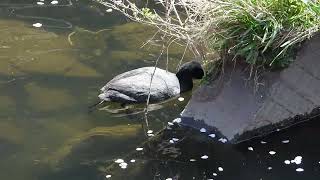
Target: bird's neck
<point>185,81</point>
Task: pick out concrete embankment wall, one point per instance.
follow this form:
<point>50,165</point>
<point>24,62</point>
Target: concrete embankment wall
<point>240,109</point>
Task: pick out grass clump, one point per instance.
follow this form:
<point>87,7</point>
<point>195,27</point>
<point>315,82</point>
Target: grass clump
<point>265,32</point>
<point>262,33</point>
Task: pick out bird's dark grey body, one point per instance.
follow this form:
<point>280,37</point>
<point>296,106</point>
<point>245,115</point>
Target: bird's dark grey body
<point>133,86</point>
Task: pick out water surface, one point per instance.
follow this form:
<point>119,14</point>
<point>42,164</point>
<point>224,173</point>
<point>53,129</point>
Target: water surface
<point>50,75</point>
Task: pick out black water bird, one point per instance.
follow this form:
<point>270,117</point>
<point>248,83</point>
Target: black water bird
<point>134,86</point>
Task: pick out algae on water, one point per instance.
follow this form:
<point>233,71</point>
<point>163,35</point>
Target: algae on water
<point>92,44</point>
<point>25,49</point>
<point>11,133</point>
<point>114,134</point>
<point>48,99</point>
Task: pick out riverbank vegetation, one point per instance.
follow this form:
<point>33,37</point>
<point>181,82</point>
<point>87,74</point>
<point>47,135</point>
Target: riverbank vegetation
<point>261,33</point>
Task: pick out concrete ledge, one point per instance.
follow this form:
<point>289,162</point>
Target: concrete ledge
<point>234,107</point>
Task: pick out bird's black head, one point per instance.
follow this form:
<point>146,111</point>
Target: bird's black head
<point>187,72</point>
<point>191,69</point>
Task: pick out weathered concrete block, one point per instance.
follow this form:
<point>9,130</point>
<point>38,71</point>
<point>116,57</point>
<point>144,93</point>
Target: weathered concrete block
<point>239,111</point>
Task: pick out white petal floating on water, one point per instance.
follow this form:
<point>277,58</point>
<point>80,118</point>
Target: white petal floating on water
<point>299,170</point>
<point>108,176</point>
<point>287,162</point>
<point>118,2</point>
<point>123,165</point>
<point>269,168</point>
<point>204,157</point>
<point>285,141</point>
<point>223,140</point>
<point>214,174</point>
<point>272,152</point>
<point>119,161</point>
<point>212,135</point>
<point>177,120</point>
<point>175,139</point>
<point>171,141</point>
<point>139,149</point>
<point>37,25</point>
<point>40,3</point>
<point>149,131</point>
<point>109,10</point>
<point>54,2</point>
<point>132,160</point>
<point>192,160</point>
<point>150,135</point>
<point>180,99</point>
<point>169,179</point>
<point>203,130</point>
<point>170,123</point>
<point>250,148</point>
<point>220,169</point>
<point>263,142</point>
<point>297,160</point>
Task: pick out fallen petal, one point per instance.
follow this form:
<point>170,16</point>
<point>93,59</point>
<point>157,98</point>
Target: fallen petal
<point>285,141</point>
<point>287,162</point>
<point>37,25</point>
<point>177,120</point>
<point>272,152</point>
<point>119,161</point>
<point>108,176</point>
<point>54,2</point>
<point>204,157</point>
<point>299,170</point>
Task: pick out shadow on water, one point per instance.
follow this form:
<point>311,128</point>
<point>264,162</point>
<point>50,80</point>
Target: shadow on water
<point>49,76</point>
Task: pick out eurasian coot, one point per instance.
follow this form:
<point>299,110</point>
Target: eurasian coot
<point>133,86</point>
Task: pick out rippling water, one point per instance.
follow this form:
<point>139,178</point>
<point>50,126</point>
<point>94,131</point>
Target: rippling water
<point>54,59</point>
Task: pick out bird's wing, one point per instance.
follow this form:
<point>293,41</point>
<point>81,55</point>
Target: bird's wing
<point>116,96</point>
<point>124,75</point>
<point>136,84</point>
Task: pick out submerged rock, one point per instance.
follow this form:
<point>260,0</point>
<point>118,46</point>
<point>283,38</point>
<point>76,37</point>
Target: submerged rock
<point>240,109</point>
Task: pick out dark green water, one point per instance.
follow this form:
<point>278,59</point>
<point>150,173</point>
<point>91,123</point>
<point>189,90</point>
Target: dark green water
<point>49,76</point>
